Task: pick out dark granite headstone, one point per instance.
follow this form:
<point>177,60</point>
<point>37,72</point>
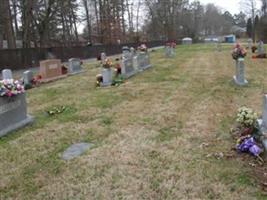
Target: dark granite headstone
<point>13,113</point>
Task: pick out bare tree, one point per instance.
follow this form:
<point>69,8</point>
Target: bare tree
<point>250,8</point>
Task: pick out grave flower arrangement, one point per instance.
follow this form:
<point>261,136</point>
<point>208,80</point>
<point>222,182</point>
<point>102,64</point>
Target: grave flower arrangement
<point>239,52</point>
<point>107,64</point>
<point>10,88</point>
<point>246,132</point>
<point>142,48</point>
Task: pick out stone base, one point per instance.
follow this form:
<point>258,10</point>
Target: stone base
<point>16,126</point>
<point>129,75</point>
<point>239,83</point>
<point>53,79</point>
<point>146,67</point>
<point>75,73</point>
<point>105,84</point>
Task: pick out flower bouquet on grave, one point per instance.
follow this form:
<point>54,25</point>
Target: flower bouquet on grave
<point>107,64</point>
<point>239,52</point>
<point>142,48</point>
<point>247,132</point>
<point>10,88</point>
<point>254,48</point>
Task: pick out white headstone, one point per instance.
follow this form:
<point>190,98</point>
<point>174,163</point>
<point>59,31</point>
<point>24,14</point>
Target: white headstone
<point>239,78</point>
<point>7,74</point>
<point>103,57</point>
<point>261,48</point>
<point>107,76</point>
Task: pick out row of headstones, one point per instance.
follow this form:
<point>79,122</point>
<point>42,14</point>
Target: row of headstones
<point>13,111</point>
<point>49,70</point>
<point>132,63</point>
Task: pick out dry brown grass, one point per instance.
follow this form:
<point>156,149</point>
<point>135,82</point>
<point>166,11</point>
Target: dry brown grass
<point>148,134</point>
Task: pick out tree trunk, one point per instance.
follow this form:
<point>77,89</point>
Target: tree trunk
<point>8,27</point>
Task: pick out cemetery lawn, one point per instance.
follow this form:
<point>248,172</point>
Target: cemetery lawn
<point>154,137</point>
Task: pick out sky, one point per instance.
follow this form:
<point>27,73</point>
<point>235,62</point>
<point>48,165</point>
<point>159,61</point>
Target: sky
<point>233,6</point>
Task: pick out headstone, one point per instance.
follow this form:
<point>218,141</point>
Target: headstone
<point>263,123</point>
<point>51,70</point>
<point>107,76</point>
<point>7,74</point>
<point>132,50</point>
<point>127,67</point>
<point>250,43</point>
<point>74,66</point>
<point>126,53</point>
<point>76,150</point>
<point>27,78</point>
<point>13,114</point>
<point>143,60</point>
<point>103,57</point>
<point>261,48</point>
<point>239,78</point>
<point>169,52</point>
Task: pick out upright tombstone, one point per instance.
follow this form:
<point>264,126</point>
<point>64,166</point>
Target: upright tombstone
<point>27,77</point>
<point>261,48</point>
<point>263,123</point>
<point>126,53</point>
<point>239,78</point>
<point>74,66</point>
<point>7,74</point>
<point>250,43</point>
<point>127,67</point>
<point>51,70</point>
<point>169,52</point>
<point>107,76</point>
<point>143,60</point>
<point>13,113</point>
<point>103,57</point>
<point>132,52</point>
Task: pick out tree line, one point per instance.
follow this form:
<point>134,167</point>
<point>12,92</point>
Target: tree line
<point>46,23</point>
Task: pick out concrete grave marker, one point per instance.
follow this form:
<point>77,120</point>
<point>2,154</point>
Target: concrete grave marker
<point>261,48</point>
<point>127,67</point>
<point>7,74</point>
<point>143,60</point>
<point>107,75</point>
<point>51,70</point>
<point>74,66</point>
<point>250,43</point>
<point>103,57</point>
<point>169,52</point>
<point>76,150</point>
<point>239,78</point>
